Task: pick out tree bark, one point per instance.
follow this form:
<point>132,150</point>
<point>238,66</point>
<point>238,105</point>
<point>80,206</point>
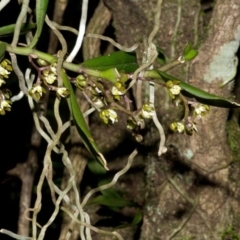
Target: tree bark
<point>188,194</point>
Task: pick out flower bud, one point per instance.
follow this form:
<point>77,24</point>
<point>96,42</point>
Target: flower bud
<point>81,81</point>
<point>42,63</point>
<point>190,128</point>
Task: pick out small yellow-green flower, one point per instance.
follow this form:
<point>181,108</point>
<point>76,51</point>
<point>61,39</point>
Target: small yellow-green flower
<point>63,92</point>
<point>98,102</point>
<point>201,110</point>
<point>108,116</point>
<point>49,77</point>
<point>5,106</point>
<point>177,127</point>
<point>118,90</point>
<point>36,92</point>
<point>147,111</point>
<point>173,88</point>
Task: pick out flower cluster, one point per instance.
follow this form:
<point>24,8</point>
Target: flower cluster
<point>177,127</point>
<point>5,102</point>
<point>49,76</point>
<point>5,95</point>
<point>173,88</point>
<point>5,70</point>
<point>189,127</point>
<point>146,112</point>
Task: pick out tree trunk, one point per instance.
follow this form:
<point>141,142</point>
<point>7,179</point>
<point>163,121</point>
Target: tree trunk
<point>188,191</point>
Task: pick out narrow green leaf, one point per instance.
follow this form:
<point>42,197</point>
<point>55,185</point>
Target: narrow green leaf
<point>96,168</point>
<point>2,50</point>
<point>200,95</point>
<point>137,218</point>
<point>187,49</point>
<point>162,57</point>
<point>9,29</point>
<point>191,55</point>
<point>110,192</point>
<point>81,124</point>
<point>41,9</point>
<point>122,61</point>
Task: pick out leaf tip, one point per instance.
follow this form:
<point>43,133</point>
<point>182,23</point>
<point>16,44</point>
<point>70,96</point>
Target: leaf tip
<point>103,161</point>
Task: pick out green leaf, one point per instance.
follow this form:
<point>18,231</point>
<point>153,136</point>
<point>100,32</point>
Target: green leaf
<point>137,218</point>
<point>110,197</point>
<point>189,53</point>
<point>187,49</point>
<point>9,29</point>
<point>96,168</point>
<point>2,50</point>
<point>122,61</point>
<point>110,201</point>
<point>41,10</point>
<point>110,192</point>
<point>81,124</point>
<point>200,95</point>
<point>110,75</point>
<point>162,57</point>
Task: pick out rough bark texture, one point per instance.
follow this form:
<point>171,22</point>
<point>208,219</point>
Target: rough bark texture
<point>188,194</point>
